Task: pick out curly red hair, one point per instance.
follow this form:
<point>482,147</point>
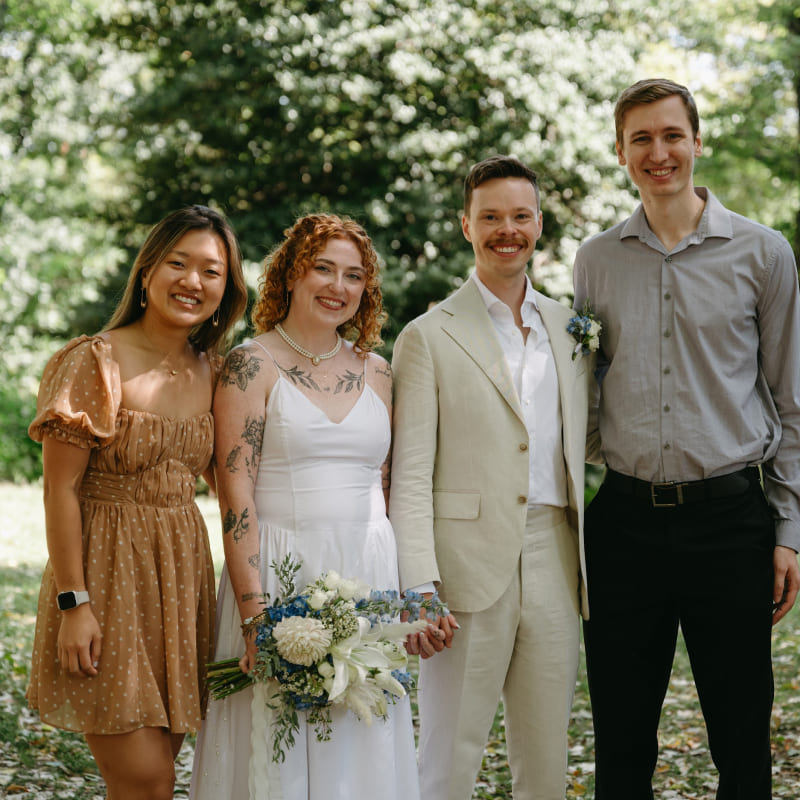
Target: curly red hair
<point>295,256</point>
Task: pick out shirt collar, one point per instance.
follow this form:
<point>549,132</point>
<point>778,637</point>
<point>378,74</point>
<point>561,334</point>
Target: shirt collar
<point>494,304</point>
<point>715,221</point>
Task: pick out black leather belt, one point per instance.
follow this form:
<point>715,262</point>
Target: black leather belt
<point>675,493</point>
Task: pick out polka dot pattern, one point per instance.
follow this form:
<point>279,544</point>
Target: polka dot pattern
<point>146,556</point>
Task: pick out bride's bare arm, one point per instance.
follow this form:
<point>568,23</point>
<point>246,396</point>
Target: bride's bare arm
<point>239,419</point>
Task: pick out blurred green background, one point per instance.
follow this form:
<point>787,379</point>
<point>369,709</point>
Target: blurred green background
<point>113,113</point>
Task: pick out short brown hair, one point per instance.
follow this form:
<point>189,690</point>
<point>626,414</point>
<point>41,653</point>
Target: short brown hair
<point>497,167</point>
<point>295,256</point>
<point>649,91</point>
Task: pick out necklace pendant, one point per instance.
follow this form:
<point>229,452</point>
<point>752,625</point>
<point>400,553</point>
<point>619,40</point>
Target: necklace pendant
<point>315,361</point>
<point>173,372</point>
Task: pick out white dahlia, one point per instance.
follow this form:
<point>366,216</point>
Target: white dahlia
<point>302,640</point>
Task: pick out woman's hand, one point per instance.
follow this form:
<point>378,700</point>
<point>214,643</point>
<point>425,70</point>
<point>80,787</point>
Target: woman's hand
<point>248,660</point>
<point>80,641</point>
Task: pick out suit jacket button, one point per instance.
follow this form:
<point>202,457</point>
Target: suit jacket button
<point>523,446</point>
<point>522,499</point>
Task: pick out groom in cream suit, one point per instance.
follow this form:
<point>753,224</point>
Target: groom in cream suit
<point>487,500</point>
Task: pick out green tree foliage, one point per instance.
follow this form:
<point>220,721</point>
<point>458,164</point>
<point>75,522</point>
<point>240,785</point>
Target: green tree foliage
<point>113,113</point>
<point>374,109</point>
<point>55,253</point>
<point>750,102</point>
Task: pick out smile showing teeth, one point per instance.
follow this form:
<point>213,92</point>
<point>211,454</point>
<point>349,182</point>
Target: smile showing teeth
<point>182,298</point>
<point>331,303</point>
<point>660,173</point>
<point>507,249</point>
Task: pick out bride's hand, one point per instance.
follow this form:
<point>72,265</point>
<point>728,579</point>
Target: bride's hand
<point>248,660</point>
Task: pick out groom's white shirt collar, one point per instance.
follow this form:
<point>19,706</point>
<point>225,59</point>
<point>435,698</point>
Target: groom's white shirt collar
<point>498,309</point>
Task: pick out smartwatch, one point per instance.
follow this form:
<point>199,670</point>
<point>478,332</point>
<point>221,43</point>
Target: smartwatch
<point>68,600</point>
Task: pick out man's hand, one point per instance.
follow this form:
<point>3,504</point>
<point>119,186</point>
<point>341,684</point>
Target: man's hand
<point>787,582</point>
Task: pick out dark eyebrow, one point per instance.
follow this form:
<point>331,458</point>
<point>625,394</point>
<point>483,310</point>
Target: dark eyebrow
<point>668,129</point>
<point>182,254</point>
<point>518,208</point>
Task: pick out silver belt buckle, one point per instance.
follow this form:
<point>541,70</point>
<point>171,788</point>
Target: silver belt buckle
<point>655,488</point>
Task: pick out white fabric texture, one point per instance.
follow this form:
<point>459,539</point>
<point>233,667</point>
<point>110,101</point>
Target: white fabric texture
<point>319,497</point>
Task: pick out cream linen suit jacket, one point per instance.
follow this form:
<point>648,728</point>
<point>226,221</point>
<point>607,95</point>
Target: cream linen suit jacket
<point>460,461</point>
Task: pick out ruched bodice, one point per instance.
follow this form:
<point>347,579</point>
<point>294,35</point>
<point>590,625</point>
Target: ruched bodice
<point>155,460</point>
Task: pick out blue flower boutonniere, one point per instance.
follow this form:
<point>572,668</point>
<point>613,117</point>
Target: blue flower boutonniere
<point>585,329</point>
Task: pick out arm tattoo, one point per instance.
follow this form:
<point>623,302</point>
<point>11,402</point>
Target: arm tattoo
<point>251,596</point>
<point>296,375</point>
<point>349,381</point>
<point>255,560</point>
<point>240,368</point>
<point>239,526</point>
<point>387,371</point>
<point>253,435</point>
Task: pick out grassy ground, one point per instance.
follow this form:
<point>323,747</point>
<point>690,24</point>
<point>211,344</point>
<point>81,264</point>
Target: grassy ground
<point>39,762</point>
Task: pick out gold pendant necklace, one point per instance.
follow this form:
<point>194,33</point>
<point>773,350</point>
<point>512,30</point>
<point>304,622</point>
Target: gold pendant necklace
<point>172,371</point>
<point>303,352</point>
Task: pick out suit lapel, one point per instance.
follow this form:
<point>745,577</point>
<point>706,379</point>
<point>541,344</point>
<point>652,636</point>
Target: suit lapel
<point>470,326</point>
<point>555,318</point>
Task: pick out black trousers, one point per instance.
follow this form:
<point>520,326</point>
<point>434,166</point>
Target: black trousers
<point>708,568</point>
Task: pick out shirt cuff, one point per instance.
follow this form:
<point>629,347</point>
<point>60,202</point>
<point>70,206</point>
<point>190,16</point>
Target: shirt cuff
<point>422,588</point>
<point>787,534</point>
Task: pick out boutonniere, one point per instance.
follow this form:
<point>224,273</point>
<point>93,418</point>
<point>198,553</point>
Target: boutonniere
<point>585,329</point>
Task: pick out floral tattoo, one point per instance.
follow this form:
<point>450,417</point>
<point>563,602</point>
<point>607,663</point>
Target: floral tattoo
<point>239,526</point>
<point>240,368</point>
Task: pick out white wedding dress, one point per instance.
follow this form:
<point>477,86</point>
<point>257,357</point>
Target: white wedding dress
<point>318,496</point>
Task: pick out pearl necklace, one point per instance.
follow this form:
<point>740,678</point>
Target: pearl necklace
<point>303,352</point>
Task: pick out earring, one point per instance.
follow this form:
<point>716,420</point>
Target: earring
<point>143,298</point>
<point>215,318</point>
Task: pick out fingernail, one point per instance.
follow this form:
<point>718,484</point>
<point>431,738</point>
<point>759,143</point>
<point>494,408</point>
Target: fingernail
<point>95,664</point>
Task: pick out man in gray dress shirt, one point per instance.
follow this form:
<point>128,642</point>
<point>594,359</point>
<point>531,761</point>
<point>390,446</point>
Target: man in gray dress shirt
<point>699,403</point>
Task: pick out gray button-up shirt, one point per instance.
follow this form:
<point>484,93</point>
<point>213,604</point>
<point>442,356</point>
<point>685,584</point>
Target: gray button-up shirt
<point>701,352</point>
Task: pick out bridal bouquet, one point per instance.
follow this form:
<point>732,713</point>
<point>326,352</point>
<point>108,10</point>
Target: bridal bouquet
<point>338,642</point>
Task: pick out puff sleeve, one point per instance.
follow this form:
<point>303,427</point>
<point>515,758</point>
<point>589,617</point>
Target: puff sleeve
<point>79,395</point>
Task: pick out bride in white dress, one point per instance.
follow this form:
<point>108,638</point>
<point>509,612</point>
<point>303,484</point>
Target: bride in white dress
<point>303,427</point>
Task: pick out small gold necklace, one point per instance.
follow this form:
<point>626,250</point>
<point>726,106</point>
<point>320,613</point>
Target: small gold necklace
<point>307,353</point>
<point>172,371</point>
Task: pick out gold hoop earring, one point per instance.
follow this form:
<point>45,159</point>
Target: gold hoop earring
<point>143,298</point>
<point>215,318</point>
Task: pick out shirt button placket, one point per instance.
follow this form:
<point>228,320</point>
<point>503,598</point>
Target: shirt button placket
<point>667,432</point>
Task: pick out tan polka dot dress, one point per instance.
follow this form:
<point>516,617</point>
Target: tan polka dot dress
<point>146,556</point>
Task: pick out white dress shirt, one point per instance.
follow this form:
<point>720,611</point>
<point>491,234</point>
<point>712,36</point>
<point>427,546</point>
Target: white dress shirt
<point>533,371</point>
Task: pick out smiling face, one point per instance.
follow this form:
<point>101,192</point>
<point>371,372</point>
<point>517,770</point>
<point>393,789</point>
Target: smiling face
<point>187,285</point>
<point>330,290</point>
<point>659,147</point>
<point>503,225</point>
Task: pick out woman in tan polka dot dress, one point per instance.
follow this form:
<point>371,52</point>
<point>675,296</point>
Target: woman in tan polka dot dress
<point>126,610</point>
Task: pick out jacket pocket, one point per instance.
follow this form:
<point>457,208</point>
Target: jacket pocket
<point>456,505</point>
